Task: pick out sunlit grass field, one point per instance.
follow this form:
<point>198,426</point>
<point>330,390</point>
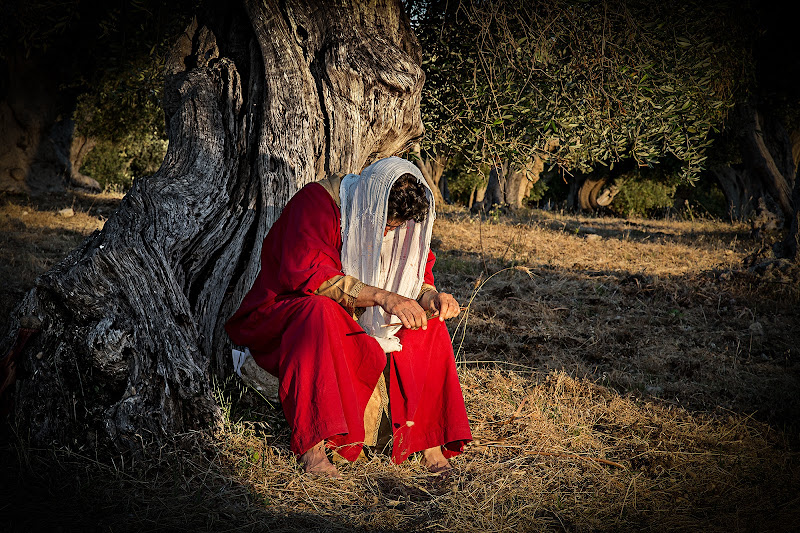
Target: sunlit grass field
<point>619,375</point>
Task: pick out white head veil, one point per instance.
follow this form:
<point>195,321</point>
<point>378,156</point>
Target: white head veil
<point>365,199</point>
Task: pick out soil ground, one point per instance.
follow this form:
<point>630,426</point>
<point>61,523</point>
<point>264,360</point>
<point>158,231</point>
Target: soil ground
<point>619,375</point>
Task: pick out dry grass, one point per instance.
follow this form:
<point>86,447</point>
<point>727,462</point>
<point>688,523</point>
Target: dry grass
<point>580,243</point>
<point>638,382</point>
<point>34,237</point>
<point>654,315</point>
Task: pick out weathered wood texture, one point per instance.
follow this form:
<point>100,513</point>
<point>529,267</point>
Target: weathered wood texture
<point>741,192</point>
<point>767,175</point>
<point>790,248</point>
<point>595,192</point>
<point>260,99</point>
<point>767,152</point>
<point>510,184</point>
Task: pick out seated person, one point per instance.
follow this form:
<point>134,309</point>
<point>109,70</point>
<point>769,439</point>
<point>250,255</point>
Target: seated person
<point>340,314</point>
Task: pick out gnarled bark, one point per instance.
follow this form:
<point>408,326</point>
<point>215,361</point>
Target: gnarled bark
<point>39,150</point>
<point>790,247</point>
<point>260,99</point>
<point>768,154</point>
<point>589,193</point>
<point>510,183</point>
<point>79,148</point>
<point>741,192</point>
<point>477,195</point>
<point>495,192</point>
<point>770,158</point>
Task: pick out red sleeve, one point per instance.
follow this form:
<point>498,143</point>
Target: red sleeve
<point>310,247</point>
<point>429,268</point>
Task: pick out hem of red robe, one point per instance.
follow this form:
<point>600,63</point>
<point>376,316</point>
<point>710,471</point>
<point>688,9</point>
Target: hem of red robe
<point>452,443</point>
<point>300,443</point>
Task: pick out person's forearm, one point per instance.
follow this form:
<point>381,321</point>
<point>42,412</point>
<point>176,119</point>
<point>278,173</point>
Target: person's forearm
<point>407,310</point>
<point>370,296</point>
<point>426,300</point>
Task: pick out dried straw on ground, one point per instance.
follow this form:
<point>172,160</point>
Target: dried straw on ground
<point>619,376</point>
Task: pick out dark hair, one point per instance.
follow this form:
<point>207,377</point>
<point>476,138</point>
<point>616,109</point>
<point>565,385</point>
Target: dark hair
<point>407,200</point>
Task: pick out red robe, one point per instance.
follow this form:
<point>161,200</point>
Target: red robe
<point>327,367</point>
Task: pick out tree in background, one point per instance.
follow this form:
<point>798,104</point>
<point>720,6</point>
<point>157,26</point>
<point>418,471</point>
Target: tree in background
<point>121,116</point>
<point>514,84</point>
<point>759,176</point>
<point>108,55</point>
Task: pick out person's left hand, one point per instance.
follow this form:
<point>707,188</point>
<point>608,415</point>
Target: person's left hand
<point>441,304</point>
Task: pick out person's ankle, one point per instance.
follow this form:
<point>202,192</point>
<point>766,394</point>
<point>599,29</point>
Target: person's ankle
<point>434,460</point>
<point>315,461</point>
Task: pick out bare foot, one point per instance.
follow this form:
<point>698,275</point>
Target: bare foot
<point>315,462</point>
<point>435,461</point>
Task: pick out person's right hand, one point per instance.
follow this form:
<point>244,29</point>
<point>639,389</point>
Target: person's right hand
<point>410,313</point>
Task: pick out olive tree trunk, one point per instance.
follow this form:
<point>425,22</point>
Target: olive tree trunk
<point>510,184</point>
<point>790,248</point>
<point>741,192</point>
<point>769,173</point>
<point>40,151</point>
<point>476,196</point>
<point>767,151</point>
<point>32,142</point>
<point>260,99</point>
<point>592,192</point>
